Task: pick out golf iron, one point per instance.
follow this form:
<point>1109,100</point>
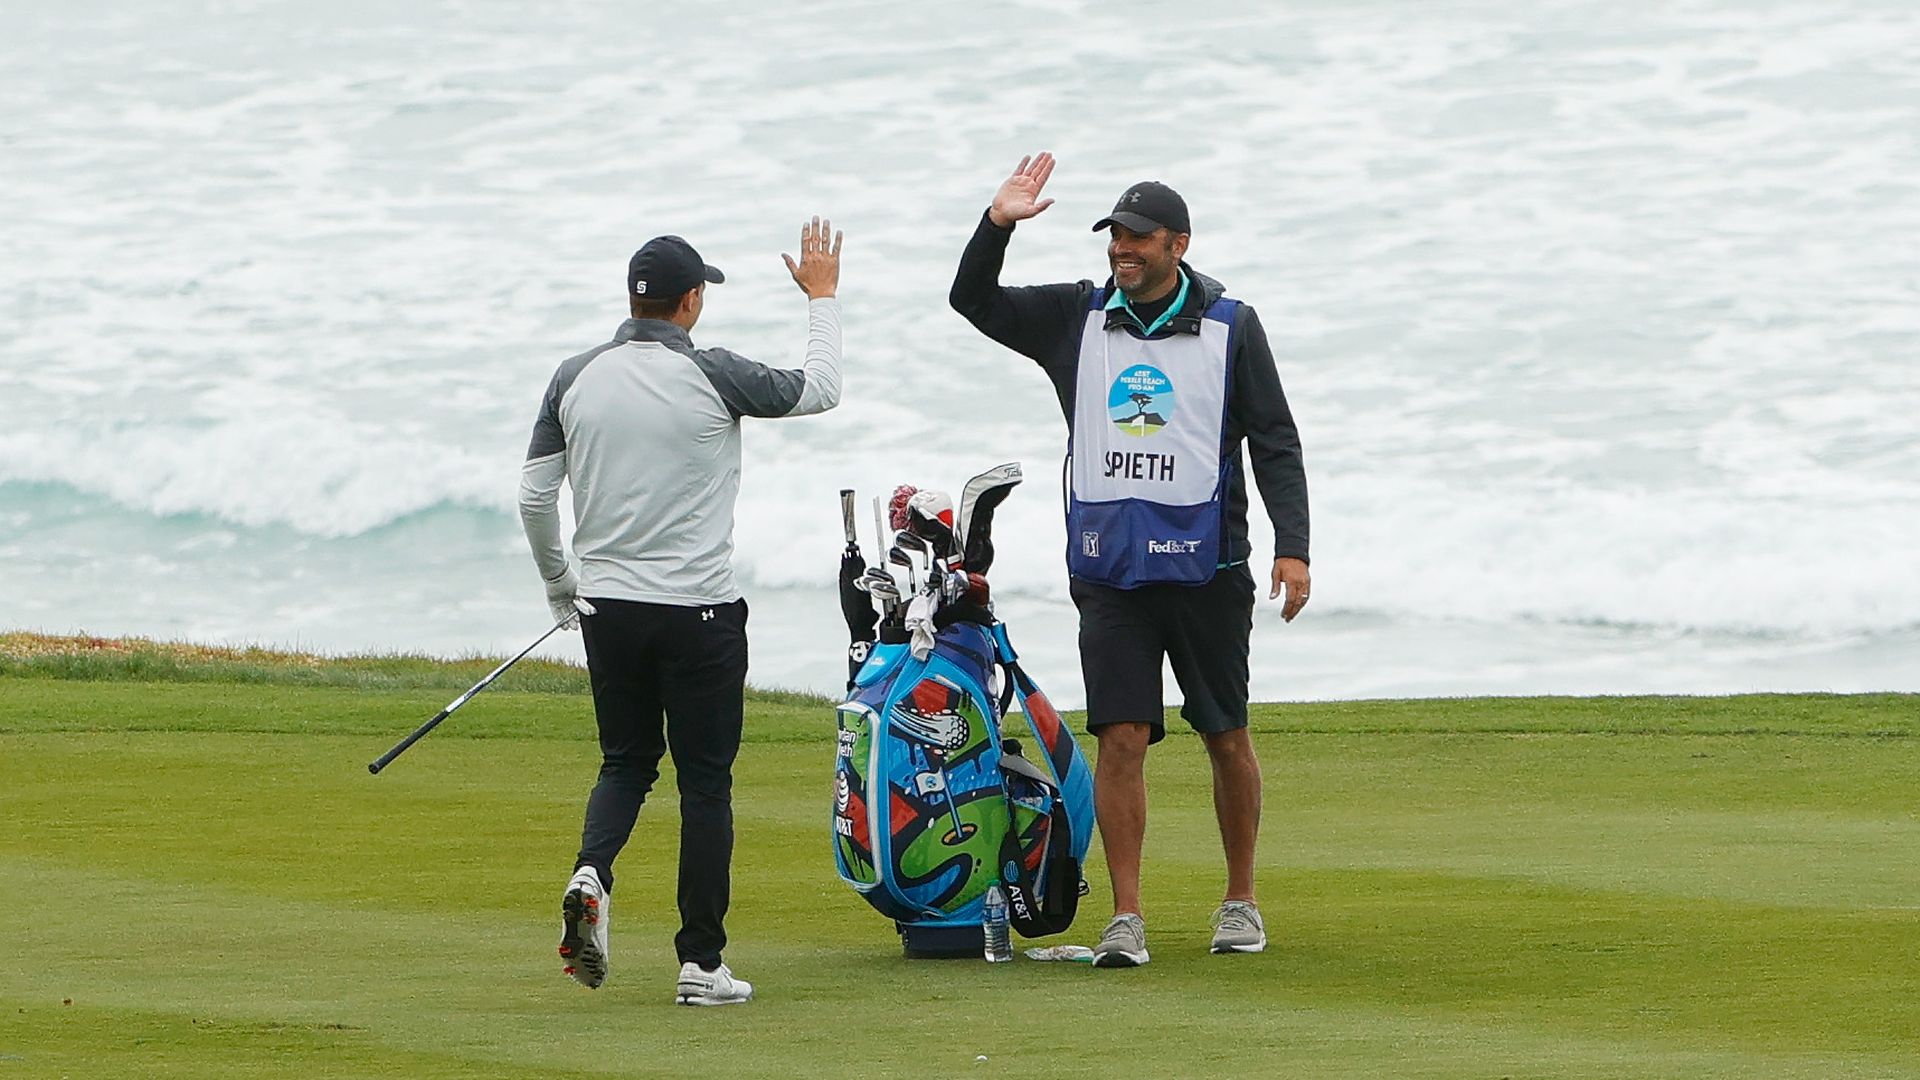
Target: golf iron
<point>581,607</point>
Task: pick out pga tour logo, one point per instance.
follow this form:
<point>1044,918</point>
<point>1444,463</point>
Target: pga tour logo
<point>1172,547</point>
<point>1090,544</point>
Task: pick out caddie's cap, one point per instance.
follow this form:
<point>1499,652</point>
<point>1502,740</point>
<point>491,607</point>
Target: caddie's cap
<point>666,267</point>
<point>1146,206</point>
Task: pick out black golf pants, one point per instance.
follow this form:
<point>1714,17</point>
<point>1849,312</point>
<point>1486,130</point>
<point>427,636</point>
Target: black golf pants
<point>690,664</point>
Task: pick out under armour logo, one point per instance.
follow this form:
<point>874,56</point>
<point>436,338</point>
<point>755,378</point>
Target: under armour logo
<point>1135,197</point>
<point>707,615</point>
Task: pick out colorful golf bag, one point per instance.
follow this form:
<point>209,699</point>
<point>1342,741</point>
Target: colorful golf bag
<point>941,786</point>
<point>939,792</point>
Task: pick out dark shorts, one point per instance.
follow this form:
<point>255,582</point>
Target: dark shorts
<point>1202,629</point>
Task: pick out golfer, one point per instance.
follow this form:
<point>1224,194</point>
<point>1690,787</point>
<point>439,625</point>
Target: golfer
<point>1162,377</point>
<point>646,429</point>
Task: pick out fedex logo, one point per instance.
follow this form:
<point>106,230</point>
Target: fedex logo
<point>1172,547</point>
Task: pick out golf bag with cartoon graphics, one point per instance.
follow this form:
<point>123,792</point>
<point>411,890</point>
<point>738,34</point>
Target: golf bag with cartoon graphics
<point>942,786</point>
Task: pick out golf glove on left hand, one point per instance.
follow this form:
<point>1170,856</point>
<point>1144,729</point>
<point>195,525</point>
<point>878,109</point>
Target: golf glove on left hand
<point>563,599</point>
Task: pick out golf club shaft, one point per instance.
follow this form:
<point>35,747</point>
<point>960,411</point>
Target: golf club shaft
<point>419,733</point>
<point>846,516</point>
<point>887,607</point>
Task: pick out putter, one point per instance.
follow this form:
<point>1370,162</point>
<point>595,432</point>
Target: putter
<point>386,759</point>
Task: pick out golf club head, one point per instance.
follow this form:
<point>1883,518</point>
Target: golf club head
<point>978,500</point>
<point>899,556</point>
<point>897,505</point>
<point>876,582</point>
<point>917,553</point>
<point>930,516</point>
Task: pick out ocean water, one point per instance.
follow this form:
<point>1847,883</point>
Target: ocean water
<point>1601,323</point>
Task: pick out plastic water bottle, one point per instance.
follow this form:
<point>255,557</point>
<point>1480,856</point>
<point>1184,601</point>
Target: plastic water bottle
<point>993,926</point>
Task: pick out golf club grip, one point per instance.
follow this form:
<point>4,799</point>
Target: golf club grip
<point>401,747</point>
<point>846,514</point>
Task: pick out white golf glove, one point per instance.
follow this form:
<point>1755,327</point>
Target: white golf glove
<point>563,598</point>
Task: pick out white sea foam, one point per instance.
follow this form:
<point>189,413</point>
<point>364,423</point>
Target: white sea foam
<point>1591,318</point>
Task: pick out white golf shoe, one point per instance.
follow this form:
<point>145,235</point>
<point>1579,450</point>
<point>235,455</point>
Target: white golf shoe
<point>583,934</point>
<point>699,986</point>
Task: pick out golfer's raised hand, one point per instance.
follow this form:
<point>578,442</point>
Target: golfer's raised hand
<point>1291,575</point>
<point>1019,196</point>
<point>818,271</point>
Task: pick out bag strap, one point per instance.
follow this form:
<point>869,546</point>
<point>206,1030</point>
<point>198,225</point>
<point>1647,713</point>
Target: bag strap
<point>1009,661</point>
<point>1031,914</point>
<point>1013,761</point>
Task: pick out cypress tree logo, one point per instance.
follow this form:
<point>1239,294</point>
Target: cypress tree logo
<point>1141,400</point>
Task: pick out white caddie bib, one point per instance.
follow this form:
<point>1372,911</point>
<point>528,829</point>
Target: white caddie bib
<point>1146,474</point>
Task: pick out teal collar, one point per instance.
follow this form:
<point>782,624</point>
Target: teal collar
<point>1119,300</point>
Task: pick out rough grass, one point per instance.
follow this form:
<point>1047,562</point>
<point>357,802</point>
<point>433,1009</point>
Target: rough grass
<point>1630,887</point>
<point>95,659</point>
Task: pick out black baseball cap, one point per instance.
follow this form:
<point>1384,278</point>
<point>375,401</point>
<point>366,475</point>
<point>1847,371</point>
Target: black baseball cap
<point>1146,206</point>
<point>666,267</point>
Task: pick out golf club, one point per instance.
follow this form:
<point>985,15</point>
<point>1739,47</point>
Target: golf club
<point>374,767</point>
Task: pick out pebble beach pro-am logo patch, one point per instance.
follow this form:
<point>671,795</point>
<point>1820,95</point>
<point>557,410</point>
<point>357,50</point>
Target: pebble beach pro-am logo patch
<point>1141,400</point>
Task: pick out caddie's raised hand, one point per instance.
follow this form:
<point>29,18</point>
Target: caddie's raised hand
<point>1019,196</point>
<point>818,271</point>
<point>1291,575</point>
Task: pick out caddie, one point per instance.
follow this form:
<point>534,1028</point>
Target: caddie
<point>1162,378</point>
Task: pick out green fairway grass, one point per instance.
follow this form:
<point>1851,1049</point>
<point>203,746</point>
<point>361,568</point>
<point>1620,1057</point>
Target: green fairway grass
<point>199,879</point>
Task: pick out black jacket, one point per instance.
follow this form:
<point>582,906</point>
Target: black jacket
<point>1042,322</point>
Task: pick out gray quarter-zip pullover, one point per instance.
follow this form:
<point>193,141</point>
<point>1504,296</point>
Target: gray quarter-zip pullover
<point>646,429</point>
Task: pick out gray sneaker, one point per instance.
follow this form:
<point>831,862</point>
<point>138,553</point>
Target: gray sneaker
<point>1237,928</point>
<point>1122,944</point>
